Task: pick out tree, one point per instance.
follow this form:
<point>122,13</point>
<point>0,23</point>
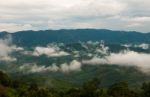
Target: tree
<point>3,91</point>
<point>89,89</point>
<point>146,90</point>
<point>120,89</point>
<point>4,79</point>
<point>73,92</point>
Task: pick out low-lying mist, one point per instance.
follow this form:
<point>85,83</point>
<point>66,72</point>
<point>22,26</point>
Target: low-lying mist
<point>65,67</point>
<point>82,53</point>
<point>124,58</point>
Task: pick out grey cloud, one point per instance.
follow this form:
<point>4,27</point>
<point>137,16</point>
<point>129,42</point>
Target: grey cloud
<point>13,27</point>
<point>56,14</point>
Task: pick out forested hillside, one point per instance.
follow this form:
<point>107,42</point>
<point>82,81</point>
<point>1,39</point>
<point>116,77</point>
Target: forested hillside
<point>17,88</point>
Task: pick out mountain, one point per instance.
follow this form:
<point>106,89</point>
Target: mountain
<point>30,38</point>
<point>74,57</point>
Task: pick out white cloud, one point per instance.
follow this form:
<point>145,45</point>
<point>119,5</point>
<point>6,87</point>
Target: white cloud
<point>127,58</point>
<point>95,61</point>
<point>103,49</point>
<point>34,68</point>
<point>143,45</point>
<point>50,51</point>
<point>19,48</point>
<point>6,48</point>
<point>73,66</point>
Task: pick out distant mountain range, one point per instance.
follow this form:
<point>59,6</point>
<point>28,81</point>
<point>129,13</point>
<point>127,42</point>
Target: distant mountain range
<point>31,38</point>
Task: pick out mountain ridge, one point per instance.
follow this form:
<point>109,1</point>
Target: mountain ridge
<point>44,37</point>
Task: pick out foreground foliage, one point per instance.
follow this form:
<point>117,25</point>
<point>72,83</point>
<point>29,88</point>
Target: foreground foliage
<point>17,88</point>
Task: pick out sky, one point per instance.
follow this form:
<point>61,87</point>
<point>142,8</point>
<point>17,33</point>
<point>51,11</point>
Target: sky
<point>129,15</point>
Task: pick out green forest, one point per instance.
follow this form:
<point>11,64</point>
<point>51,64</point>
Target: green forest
<point>10,87</point>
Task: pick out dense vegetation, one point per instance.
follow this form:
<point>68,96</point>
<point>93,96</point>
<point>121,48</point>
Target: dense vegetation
<point>10,87</point>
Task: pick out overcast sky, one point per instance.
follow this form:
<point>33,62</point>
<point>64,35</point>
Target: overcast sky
<point>16,15</point>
